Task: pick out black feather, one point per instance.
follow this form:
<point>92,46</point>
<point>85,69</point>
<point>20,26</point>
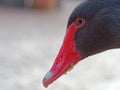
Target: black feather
<point>102,29</point>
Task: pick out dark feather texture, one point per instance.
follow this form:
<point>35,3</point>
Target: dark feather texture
<point>102,29</point>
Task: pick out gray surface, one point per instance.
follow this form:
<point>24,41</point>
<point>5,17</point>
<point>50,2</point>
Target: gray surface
<point>17,3</point>
<point>29,43</point>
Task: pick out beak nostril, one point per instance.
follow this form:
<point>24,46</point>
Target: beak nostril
<point>60,59</point>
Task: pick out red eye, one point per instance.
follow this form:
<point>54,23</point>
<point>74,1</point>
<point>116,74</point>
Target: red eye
<point>80,22</point>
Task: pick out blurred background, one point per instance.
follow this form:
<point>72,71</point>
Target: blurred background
<point>31,33</point>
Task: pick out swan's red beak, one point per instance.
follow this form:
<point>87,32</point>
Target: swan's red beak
<point>67,57</point>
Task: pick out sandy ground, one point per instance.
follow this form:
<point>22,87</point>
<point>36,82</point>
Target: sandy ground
<point>29,43</point>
